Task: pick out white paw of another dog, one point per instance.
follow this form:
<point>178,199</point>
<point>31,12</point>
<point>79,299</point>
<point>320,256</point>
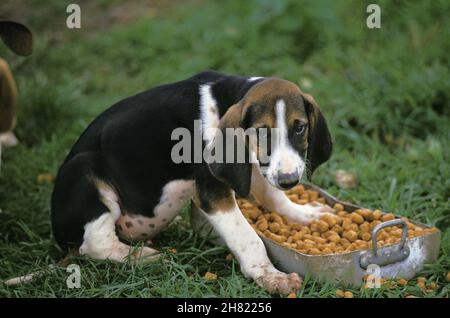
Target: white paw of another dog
<point>8,139</point>
<point>280,283</point>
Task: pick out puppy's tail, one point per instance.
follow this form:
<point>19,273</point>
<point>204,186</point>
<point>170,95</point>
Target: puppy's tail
<point>32,276</point>
<point>28,277</point>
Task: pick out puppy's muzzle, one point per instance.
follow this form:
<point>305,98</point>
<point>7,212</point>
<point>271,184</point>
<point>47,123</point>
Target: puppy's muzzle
<point>288,180</point>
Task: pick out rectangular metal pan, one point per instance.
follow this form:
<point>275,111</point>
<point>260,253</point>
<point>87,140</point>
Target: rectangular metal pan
<point>404,259</point>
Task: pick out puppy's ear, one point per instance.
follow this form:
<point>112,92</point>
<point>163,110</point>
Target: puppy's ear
<point>17,37</point>
<point>232,165</point>
<point>319,139</point>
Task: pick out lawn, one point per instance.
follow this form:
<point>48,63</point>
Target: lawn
<point>385,93</point>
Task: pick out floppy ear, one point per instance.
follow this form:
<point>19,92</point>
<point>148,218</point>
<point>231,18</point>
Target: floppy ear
<point>319,140</point>
<point>236,173</point>
<point>17,37</point>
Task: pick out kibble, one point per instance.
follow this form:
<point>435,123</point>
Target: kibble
<point>348,294</point>
<point>421,285</point>
<point>210,276</point>
<point>340,293</point>
<point>344,232</point>
<point>402,282</point>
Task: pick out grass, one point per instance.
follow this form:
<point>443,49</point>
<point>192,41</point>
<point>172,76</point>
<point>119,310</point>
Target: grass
<point>384,92</point>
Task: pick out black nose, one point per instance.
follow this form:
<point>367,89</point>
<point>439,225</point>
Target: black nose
<point>287,180</point>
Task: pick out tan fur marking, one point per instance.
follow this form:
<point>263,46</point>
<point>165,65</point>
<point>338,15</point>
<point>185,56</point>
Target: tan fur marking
<point>232,117</point>
<point>224,204</point>
<point>269,89</point>
<point>8,93</point>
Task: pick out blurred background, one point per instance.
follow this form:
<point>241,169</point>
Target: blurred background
<point>385,92</point>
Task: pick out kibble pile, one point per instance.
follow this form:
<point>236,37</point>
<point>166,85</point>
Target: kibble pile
<point>331,234</point>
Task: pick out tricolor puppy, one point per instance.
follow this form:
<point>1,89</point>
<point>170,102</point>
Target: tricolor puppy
<point>119,183</point>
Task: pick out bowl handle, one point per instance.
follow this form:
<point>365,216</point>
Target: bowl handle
<point>389,255</point>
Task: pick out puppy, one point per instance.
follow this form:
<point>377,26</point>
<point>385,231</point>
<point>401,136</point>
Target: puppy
<point>120,184</point>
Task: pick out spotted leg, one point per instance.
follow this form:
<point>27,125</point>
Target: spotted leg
<point>134,227</point>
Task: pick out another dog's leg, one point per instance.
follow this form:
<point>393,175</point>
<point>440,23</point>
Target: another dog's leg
<point>100,240</point>
<point>248,248</point>
<point>8,95</point>
<point>274,199</point>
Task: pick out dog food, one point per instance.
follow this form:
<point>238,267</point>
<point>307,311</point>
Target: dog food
<point>337,233</point>
<point>402,282</point>
<point>210,276</point>
<point>343,294</point>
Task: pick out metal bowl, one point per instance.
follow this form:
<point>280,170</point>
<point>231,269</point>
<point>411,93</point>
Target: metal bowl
<point>404,259</point>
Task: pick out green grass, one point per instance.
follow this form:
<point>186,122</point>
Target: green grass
<point>384,92</point>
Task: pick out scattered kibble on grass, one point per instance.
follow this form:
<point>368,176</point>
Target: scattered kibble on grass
<point>391,284</point>
<point>292,295</point>
<point>348,294</point>
<point>173,250</point>
<point>210,276</point>
<point>340,293</point>
<point>402,282</point>
<point>421,280</point>
<point>448,277</point>
<point>421,285</point>
<point>45,178</point>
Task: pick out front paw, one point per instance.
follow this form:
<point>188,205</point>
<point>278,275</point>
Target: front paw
<point>306,213</point>
<point>280,283</point>
<point>319,208</point>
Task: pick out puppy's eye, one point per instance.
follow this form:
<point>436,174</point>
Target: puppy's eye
<point>299,127</point>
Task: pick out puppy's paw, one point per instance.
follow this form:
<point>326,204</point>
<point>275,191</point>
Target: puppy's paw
<point>319,209</point>
<point>280,283</point>
<point>305,214</point>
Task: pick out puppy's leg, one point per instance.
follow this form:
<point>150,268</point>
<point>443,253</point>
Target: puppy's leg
<point>174,196</point>
<point>85,209</point>
<point>100,240</point>
<point>274,199</point>
<point>248,248</point>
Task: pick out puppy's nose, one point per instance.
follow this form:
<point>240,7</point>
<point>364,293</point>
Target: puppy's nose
<point>288,180</point>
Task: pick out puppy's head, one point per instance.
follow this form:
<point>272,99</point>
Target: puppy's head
<point>292,136</point>
<point>291,131</point>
